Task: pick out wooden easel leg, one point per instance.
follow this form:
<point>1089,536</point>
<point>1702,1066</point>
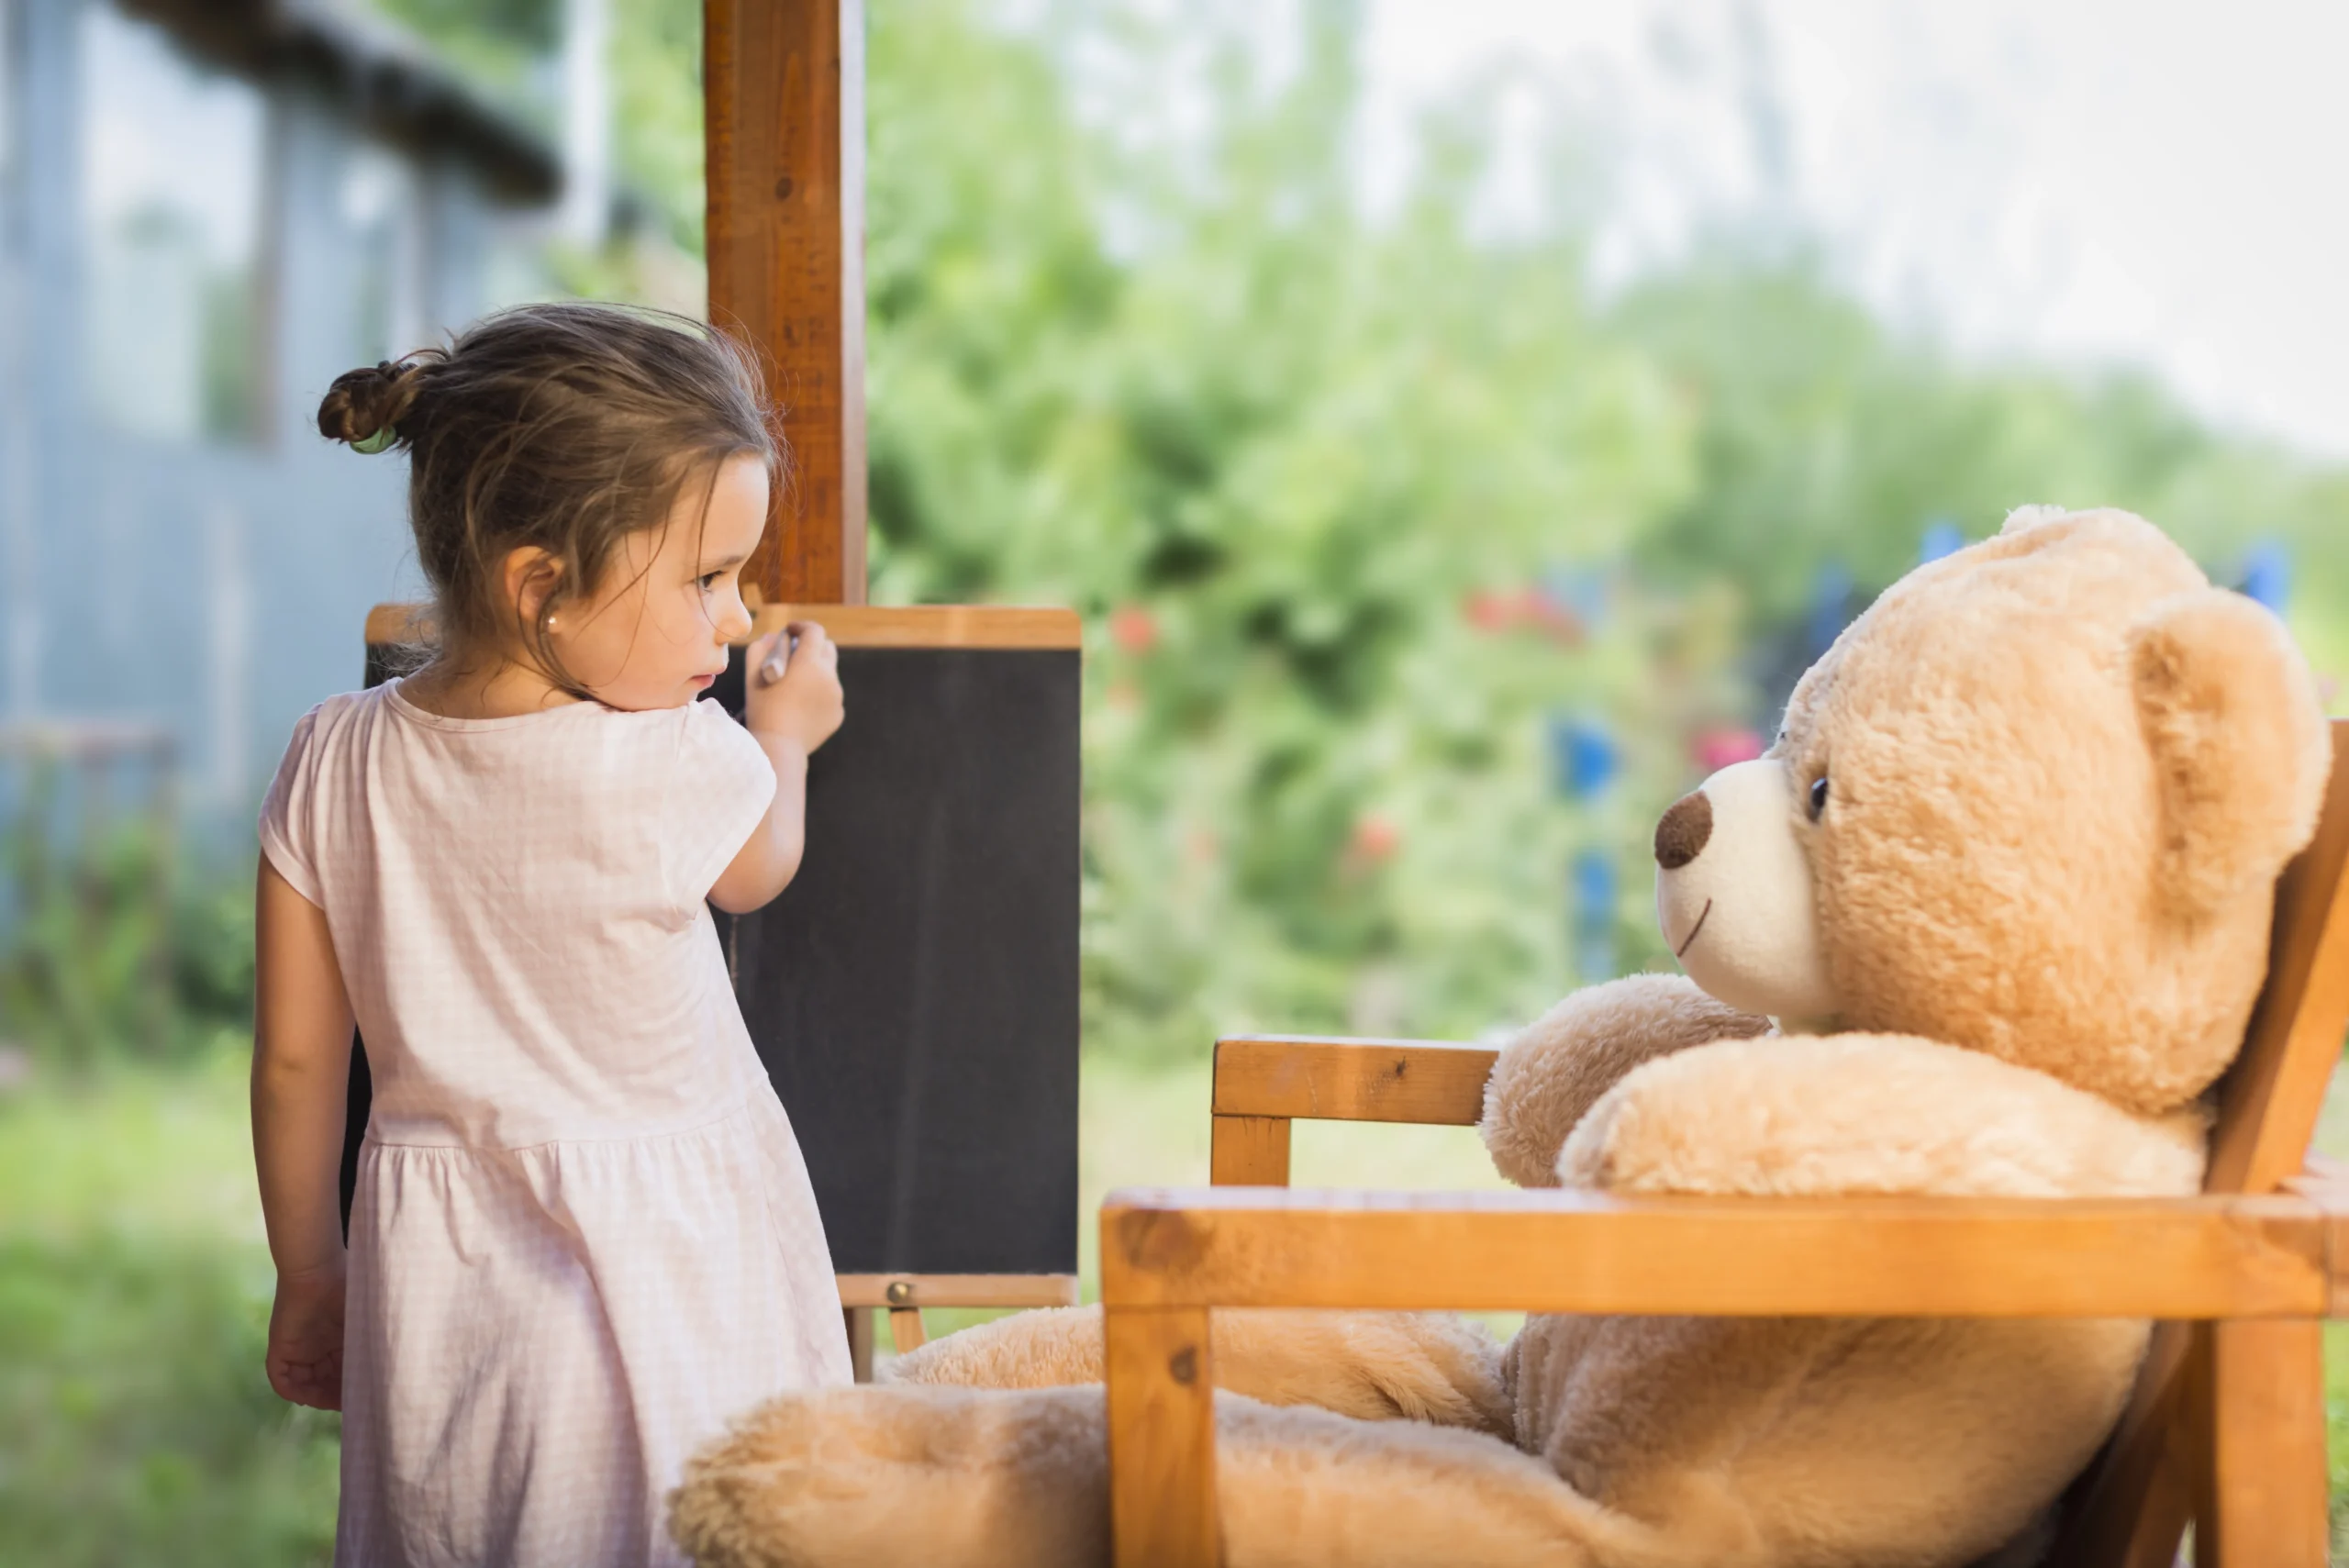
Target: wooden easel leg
<point>860,1341</point>
<point>2263,1493</point>
<point>906,1330</point>
<point>1161,1437</point>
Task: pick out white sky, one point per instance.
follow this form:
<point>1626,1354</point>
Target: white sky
<point>2156,182</point>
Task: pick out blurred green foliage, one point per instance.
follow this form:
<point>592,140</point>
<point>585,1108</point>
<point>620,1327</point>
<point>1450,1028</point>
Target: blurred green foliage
<point>1358,507</point>
<point>1279,451</point>
<point>114,942</point>
<point>135,1424</point>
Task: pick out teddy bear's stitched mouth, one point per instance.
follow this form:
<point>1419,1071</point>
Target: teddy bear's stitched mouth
<point>1702,914</point>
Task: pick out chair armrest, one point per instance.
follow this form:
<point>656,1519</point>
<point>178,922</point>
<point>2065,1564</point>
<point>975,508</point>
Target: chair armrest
<point>1580,1252</point>
<point>1264,1082</point>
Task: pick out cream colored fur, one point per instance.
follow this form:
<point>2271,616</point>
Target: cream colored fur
<point>2062,774</point>
<point>1374,1366</point>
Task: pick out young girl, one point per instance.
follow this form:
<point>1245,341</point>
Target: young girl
<point>583,1236</point>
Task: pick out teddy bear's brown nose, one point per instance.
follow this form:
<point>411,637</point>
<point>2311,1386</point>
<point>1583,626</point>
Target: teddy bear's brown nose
<point>1682,835</point>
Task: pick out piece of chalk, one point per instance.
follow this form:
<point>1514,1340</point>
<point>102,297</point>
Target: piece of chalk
<point>778,660</point>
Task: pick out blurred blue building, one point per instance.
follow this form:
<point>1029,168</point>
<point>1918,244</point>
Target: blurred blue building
<point>208,209</point>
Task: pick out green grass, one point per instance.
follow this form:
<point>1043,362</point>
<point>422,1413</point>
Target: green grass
<point>135,1426</point>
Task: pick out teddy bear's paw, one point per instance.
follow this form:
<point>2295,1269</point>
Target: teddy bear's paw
<point>945,1477</point>
<point>1375,1366</point>
<point>1052,1347</point>
<point>1562,1063</point>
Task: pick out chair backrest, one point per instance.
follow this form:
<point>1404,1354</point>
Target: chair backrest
<point>2130,1511</point>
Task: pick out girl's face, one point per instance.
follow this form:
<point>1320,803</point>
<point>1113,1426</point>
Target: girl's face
<point>656,633</point>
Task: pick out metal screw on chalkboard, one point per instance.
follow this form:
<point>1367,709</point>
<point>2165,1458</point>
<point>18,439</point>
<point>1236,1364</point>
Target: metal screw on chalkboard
<point>1185,1365</point>
<point>901,1292</point>
<point>782,189</point>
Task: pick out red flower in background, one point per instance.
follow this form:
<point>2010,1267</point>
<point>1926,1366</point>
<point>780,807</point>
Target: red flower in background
<point>1134,629</point>
<point>1490,610</point>
<point>1557,622</point>
<point>1717,749</point>
<point>1377,837</point>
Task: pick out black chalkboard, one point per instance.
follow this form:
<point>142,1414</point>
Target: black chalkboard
<point>914,991</point>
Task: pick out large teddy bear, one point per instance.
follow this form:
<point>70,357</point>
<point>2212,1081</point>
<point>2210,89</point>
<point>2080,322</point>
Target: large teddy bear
<point>1989,918</point>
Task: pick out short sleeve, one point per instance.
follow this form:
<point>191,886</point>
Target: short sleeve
<point>289,820</point>
<point>724,787</point>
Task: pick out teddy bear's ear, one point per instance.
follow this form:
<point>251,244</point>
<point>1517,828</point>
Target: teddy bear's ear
<point>2240,747</point>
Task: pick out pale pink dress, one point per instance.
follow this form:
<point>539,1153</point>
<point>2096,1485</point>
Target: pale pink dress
<point>583,1236</point>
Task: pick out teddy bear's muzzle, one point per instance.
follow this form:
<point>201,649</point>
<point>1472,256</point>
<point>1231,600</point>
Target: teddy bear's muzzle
<point>1733,894</point>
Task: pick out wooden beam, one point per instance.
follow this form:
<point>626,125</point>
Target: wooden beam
<point>916,1290</point>
<point>1579,1251</point>
<point>784,102</point>
<point>1351,1080</point>
<point>930,625</point>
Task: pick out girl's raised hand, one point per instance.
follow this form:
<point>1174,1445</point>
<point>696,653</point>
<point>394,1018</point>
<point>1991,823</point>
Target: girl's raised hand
<point>304,1352</point>
<point>806,703</point>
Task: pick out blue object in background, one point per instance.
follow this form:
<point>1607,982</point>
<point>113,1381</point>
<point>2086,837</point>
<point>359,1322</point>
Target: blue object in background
<point>1830,607</point>
<point>1941,538</point>
<point>1580,591</point>
<point>1594,915</point>
<point>2268,574</point>
<point>1583,755</point>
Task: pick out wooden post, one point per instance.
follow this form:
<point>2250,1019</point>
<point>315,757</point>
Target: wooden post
<point>2262,1448</point>
<point>784,86</point>
<point>1161,1437</point>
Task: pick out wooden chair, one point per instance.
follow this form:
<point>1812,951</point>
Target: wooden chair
<point>2226,1427</point>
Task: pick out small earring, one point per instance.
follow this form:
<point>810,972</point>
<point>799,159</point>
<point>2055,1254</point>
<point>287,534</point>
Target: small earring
<point>549,621</point>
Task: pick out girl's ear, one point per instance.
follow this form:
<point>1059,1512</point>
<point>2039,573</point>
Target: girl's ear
<point>529,577</point>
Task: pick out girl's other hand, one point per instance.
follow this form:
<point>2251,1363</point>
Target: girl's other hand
<point>305,1352</point>
<point>806,704</point>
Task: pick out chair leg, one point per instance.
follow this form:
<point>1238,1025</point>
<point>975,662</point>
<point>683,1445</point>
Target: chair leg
<point>1161,1437</point>
<point>2261,1448</point>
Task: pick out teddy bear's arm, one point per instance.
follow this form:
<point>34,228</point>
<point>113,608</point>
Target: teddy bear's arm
<point>1560,1063</point>
<point>1818,1116</point>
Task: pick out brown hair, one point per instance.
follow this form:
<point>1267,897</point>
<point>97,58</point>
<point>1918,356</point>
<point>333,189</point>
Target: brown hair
<point>566,426</point>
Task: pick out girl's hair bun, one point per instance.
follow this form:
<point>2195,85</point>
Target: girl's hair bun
<point>364,407</point>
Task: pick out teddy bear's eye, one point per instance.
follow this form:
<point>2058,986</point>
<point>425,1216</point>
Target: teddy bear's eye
<point>1818,796</point>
